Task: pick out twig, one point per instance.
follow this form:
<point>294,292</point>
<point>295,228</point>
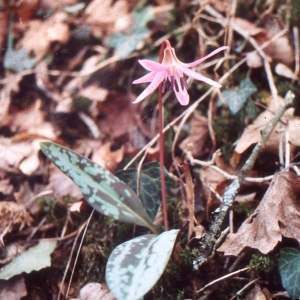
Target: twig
<point>78,251</point>
<point>280,147</point>
<point>209,164</point>
<point>222,278</point>
<point>297,52</point>
<point>237,261</point>
<point>287,149</point>
<point>82,227</point>
<point>90,123</point>
<point>244,288</point>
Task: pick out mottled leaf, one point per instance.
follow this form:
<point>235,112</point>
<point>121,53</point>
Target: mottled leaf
<point>236,99</point>
<point>150,185</point>
<point>135,266</point>
<point>289,269</point>
<point>34,259</point>
<point>105,192</point>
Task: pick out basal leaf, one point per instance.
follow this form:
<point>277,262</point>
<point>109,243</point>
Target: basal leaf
<point>236,99</point>
<point>34,259</point>
<point>150,185</point>
<point>104,191</point>
<point>135,266</point>
<point>289,269</point>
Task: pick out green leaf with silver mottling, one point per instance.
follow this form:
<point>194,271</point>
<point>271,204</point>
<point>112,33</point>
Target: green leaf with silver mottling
<point>102,190</point>
<point>289,270</point>
<point>150,185</point>
<point>135,266</point>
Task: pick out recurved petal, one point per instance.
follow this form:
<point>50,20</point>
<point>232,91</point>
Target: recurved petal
<point>146,78</point>
<point>182,96</point>
<point>198,76</point>
<point>197,62</point>
<point>152,65</point>
<point>158,78</point>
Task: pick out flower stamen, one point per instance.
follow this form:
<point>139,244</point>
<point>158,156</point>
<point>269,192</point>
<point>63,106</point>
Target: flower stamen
<point>177,86</point>
<point>183,83</point>
<point>172,83</point>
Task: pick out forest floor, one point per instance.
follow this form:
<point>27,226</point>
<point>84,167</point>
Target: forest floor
<point>231,154</point>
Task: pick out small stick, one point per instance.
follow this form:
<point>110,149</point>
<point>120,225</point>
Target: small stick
<point>244,288</point>
<point>222,278</point>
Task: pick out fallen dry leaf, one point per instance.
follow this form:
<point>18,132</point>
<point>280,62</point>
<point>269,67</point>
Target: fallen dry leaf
<point>285,71</point>
<point>198,141</point>
<point>12,154</point>
<point>258,294</point>
<point>5,187</point>
<point>277,215</point>
<point>95,291</point>
<point>252,133</point>
<point>211,179</point>
<point>13,216</point>
<point>94,92</point>
<point>26,9</point>
<point>190,196</point>
<point>12,85</point>
<point>110,11</point>
<point>39,35</point>
<point>13,289</point>
<point>280,50</point>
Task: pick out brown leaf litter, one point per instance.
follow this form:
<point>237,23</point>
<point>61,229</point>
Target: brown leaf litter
<point>277,215</point>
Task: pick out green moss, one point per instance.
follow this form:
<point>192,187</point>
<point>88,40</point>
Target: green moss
<point>175,279</point>
<point>262,264</point>
<point>245,208</point>
<point>56,210</point>
<point>102,236</point>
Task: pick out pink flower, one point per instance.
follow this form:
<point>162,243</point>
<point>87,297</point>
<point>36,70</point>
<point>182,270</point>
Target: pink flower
<point>170,73</point>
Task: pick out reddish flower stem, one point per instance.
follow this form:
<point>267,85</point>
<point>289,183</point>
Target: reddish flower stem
<point>161,145</point>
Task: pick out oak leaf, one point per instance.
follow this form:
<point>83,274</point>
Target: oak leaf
<point>277,215</point>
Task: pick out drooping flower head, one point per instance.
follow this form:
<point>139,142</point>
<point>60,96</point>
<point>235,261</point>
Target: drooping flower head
<point>170,72</point>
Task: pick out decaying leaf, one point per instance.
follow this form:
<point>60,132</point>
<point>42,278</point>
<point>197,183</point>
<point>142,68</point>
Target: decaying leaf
<point>252,133</point>
<point>285,71</point>
<point>12,154</point>
<point>280,50</point>
<point>190,196</point>
<point>198,141</point>
<point>277,215</point>
<point>259,294</point>
<point>95,291</point>
<point>13,216</point>
<point>40,35</point>
<point>110,11</point>
<point>214,181</point>
<point>13,289</point>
